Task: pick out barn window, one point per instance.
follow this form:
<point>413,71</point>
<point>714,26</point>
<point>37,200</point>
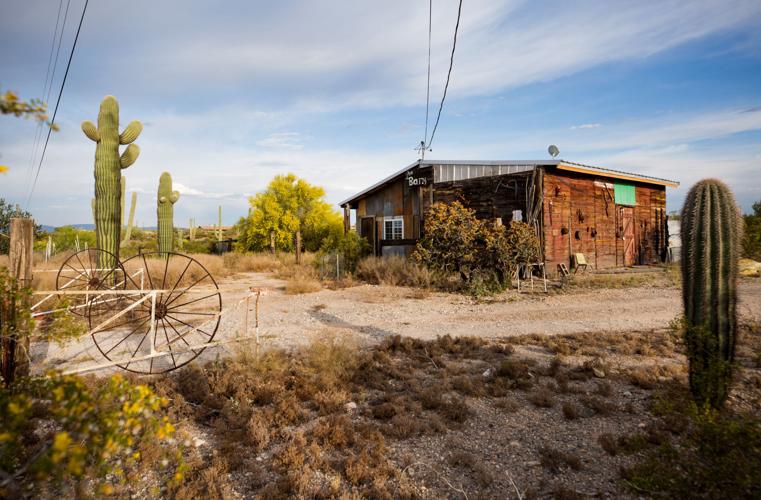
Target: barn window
<point>393,228</point>
<point>625,194</point>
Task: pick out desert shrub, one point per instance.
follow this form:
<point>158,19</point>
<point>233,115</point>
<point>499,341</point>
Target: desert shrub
<point>715,453</point>
<point>456,242</point>
<point>8,211</point>
<point>351,247</point>
<point>751,244</point>
<point>484,254</point>
<point>542,398</point>
<point>553,459</point>
<point>571,411</point>
<point>99,434</point>
<point>66,237</point>
<point>522,243</point>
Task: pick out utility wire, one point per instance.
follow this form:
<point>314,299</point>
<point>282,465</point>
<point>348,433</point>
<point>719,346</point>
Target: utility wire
<point>449,74</point>
<point>58,101</point>
<point>48,81</point>
<point>428,85</point>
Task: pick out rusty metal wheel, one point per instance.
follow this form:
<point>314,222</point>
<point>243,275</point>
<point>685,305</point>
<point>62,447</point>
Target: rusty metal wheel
<point>91,270</point>
<point>187,315</point>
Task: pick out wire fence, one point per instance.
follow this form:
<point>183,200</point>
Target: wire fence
<point>332,266</point>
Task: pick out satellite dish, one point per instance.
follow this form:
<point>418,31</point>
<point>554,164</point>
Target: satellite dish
<point>553,150</point>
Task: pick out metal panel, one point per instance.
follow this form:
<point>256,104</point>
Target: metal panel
<point>457,172</point>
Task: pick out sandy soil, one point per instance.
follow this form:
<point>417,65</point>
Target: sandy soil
<point>374,312</point>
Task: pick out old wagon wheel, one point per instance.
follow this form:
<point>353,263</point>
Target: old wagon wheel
<point>91,270</point>
<point>187,315</point>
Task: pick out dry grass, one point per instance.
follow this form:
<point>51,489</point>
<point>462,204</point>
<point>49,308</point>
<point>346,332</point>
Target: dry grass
<point>219,266</point>
<point>394,271</point>
<point>303,281</point>
<point>666,278</point>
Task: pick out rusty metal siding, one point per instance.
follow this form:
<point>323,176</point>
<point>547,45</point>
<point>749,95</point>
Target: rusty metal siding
<point>580,215</point>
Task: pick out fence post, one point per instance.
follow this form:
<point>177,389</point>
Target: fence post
<point>21,260</point>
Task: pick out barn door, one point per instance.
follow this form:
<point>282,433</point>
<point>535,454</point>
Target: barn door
<point>367,230</point>
<point>627,221</point>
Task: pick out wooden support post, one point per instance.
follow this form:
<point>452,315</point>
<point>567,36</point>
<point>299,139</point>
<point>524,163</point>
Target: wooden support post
<point>20,260</point>
<point>298,246</point>
<point>347,219</point>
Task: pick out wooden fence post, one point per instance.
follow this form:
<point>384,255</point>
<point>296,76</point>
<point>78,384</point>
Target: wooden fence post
<point>298,246</point>
<point>21,261</point>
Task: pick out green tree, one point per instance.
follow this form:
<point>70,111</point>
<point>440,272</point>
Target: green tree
<point>7,211</point>
<point>65,238</point>
<point>752,237</point>
<point>287,206</point>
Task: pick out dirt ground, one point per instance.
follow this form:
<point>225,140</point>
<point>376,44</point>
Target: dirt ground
<point>563,382</point>
<point>371,313</point>
<point>374,312</point>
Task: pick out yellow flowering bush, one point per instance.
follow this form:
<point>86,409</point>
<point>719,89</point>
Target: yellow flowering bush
<point>62,430</point>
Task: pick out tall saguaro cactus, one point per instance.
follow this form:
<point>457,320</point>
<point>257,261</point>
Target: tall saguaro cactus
<point>108,167</point>
<point>711,234</point>
<point>166,199</point>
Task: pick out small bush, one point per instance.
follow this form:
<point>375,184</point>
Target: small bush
<point>608,443</point>
<point>542,398</point>
<point>571,411</point>
<point>553,459</point>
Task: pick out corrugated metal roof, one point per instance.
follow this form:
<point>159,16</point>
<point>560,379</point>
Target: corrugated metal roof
<point>466,169</point>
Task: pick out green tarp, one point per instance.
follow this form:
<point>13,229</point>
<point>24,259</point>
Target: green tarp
<point>625,194</point>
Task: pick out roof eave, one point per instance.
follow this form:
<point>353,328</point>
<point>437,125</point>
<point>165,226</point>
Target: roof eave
<point>615,174</point>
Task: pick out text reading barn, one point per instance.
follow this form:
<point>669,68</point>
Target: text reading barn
<point>614,218</point>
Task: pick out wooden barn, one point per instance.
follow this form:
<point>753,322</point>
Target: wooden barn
<point>613,218</point>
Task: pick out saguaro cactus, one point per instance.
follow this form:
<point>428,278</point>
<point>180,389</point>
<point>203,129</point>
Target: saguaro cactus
<point>711,233</point>
<point>108,167</point>
<point>166,199</point>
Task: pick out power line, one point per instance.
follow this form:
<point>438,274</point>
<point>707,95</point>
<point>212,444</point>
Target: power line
<point>58,101</point>
<point>428,85</point>
<point>449,74</point>
<point>48,81</point>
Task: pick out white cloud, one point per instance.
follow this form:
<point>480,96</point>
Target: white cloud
<point>189,191</point>
<point>585,126</point>
<point>282,140</point>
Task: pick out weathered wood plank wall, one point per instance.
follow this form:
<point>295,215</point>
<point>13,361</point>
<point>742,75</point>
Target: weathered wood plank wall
<point>580,216</point>
<point>490,197</point>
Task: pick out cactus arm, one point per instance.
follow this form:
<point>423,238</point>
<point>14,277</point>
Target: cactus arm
<point>174,197</point>
<point>90,130</point>
<point>129,156</point>
<point>131,222</point>
<point>130,133</point>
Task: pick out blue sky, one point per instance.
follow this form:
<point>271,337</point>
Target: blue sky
<point>233,93</point>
